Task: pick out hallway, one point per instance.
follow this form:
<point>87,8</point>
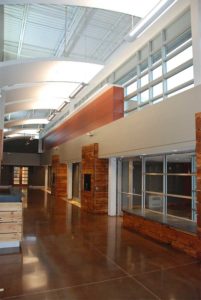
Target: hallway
<point>69,254</point>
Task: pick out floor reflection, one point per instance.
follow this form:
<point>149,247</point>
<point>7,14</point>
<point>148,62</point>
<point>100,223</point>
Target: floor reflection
<point>69,254</point>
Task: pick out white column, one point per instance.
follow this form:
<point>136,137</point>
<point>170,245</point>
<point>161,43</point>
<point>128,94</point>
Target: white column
<point>46,177</point>
<point>69,180</point>
<point>112,187</point>
<point>196,39</point>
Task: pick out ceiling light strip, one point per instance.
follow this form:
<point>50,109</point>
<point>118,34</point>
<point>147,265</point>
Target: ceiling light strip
<point>77,90</point>
<point>150,19</point>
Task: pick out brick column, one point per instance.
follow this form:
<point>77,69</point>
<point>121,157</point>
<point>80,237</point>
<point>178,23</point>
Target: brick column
<point>198,158</point>
<point>59,177</point>
<point>94,190</point>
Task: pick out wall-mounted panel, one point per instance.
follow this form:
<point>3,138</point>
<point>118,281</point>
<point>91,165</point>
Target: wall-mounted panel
<point>106,108</point>
<point>94,190</point>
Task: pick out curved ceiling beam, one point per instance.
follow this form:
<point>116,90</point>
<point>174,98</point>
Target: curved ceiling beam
<point>21,132</point>
<point>14,123</point>
<point>28,104</point>
<point>134,7</point>
<point>36,93</point>
<point>51,70</point>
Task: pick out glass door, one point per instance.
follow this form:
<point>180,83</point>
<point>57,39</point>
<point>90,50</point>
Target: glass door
<point>20,175</point>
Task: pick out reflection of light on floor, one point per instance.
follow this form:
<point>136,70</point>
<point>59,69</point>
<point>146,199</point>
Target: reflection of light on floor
<point>74,202</point>
<point>34,280</point>
<point>45,200</point>
<point>30,260</point>
<point>31,238</point>
<point>24,197</point>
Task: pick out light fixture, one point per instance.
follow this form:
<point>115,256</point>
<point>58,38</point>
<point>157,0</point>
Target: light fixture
<point>77,90</point>
<point>51,117</point>
<point>90,133</point>
<point>149,19</point>
<point>61,107</point>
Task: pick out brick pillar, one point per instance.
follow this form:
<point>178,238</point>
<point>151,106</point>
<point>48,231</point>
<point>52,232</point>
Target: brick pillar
<point>59,177</point>
<point>94,190</point>
<point>198,158</point>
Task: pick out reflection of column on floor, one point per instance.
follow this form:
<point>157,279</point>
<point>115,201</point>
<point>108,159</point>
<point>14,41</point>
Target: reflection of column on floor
<point>198,158</point>
<point>130,198</point>
<point>45,199</point>
<point>112,238</point>
<point>46,177</point>
<point>69,216</point>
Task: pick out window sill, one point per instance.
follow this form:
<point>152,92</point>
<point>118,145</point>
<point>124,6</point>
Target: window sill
<point>184,225</point>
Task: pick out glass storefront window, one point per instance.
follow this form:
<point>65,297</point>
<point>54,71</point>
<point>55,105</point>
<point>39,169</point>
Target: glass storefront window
<point>164,184</point>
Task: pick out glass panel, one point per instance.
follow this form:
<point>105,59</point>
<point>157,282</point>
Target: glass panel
<point>156,57</point>
<point>154,202</point>
<point>179,59</point>
<point>137,177</point>
<point>181,90</point>
<point>179,185</point>
<point>131,88</point>
<point>180,25</point>
<point>144,65</point>
<point>178,42</point>
<point>157,72</point>
<point>156,42</point>
<point>157,89</point>
<point>137,200</point>
<point>154,164</point>
<point>144,52</point>
<point>179,207</point>
<point>131,104</point>
<point>145,96</point>
<point>180,78</point>
<point>179,163</point>
<point>144,80</point>
<point>154,183</point>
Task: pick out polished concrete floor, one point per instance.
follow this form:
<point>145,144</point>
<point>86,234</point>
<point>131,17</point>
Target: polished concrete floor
<point>69,254</point>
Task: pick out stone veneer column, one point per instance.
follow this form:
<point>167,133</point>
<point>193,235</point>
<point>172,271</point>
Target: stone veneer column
<point>94,189</point>
<point>198,158</point>
<point>59,177</point>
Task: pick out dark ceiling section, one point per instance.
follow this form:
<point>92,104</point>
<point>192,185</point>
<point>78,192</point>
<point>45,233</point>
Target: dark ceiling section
<point>24,145</point>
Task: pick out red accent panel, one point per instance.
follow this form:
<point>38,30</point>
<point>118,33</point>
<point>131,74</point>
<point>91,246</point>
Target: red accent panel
<point>104,109</point>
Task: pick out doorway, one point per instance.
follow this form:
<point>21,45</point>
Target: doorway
<point>76,182</point>
<point>20,176</point>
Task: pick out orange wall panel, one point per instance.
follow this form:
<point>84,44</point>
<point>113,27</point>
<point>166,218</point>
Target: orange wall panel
<point>107,107</point>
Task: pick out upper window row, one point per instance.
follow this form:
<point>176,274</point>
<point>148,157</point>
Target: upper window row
<point>162,68</point>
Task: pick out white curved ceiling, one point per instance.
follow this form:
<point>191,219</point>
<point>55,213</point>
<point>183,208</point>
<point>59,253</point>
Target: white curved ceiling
<point>40,38</point>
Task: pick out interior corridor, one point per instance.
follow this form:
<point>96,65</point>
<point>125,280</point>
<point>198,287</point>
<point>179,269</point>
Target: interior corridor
<point>70,254</point>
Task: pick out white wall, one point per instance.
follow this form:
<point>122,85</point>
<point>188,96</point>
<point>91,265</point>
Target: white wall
<point>163,127</point>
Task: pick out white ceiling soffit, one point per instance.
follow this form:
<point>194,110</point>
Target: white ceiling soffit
<point>37,71</point>
<point>131,7</point>
<point>10,124</point>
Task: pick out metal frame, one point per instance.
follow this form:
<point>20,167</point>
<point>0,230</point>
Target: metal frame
<point>164,194</point>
